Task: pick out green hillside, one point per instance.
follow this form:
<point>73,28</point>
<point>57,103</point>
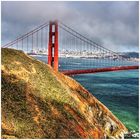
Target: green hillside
<point>38,102</point>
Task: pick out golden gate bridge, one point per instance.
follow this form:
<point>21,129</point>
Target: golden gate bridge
<point>59,41</point>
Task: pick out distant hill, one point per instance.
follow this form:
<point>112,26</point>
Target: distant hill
<point>130,54</point>
<point>38,102</point>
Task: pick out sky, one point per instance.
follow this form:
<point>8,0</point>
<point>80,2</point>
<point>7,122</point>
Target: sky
<point>114,25</point>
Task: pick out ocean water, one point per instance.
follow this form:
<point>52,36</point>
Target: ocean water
<point>119,91</point>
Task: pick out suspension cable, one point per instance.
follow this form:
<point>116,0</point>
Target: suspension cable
<point>26,34</point>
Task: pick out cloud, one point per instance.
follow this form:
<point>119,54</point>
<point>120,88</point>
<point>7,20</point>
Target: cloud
<point>112,24</point>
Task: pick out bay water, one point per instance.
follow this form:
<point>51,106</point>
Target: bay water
<point>119,91</point>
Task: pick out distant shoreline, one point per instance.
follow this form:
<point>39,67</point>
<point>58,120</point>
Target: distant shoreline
<point>84,57</point>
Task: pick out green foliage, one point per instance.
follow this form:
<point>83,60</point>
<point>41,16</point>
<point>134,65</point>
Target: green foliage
<point>30,90</point>
<point>40,103</point>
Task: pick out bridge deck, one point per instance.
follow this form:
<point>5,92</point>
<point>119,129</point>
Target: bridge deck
<point>97,70</point>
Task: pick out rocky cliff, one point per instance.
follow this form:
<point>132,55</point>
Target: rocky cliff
<point>38,102</point>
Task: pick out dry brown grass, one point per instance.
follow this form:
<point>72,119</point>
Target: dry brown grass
<point>40,103</point>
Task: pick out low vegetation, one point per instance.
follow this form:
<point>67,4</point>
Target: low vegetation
<point>38,102</point>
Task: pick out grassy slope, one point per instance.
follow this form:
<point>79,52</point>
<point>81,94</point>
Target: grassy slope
<point>40,103</point>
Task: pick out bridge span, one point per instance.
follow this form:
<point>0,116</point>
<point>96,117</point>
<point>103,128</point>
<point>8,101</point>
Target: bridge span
<point>97,70</point>
<point>58,41</point>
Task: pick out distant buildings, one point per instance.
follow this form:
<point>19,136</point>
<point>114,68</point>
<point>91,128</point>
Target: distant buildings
<point>84,54</point>
<point>38,52</point>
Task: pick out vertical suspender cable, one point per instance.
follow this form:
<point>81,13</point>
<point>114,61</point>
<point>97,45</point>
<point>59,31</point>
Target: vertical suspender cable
<point>17,44</point>
<point>32,43</point>
<point>27,44</point>
<point>22,43</point>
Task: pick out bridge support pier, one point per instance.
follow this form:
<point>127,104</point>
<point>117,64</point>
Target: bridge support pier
<point>53,45</point>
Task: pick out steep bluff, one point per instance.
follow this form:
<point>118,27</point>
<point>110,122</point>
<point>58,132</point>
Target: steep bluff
<point>38,102</point>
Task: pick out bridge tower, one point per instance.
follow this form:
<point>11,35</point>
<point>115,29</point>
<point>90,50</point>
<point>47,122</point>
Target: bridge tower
<point>53,45</point>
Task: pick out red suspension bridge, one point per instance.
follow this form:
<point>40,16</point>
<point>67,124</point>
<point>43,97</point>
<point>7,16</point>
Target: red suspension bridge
<point>69,51</point>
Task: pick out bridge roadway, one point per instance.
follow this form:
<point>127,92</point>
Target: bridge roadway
<point>97,70</point>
